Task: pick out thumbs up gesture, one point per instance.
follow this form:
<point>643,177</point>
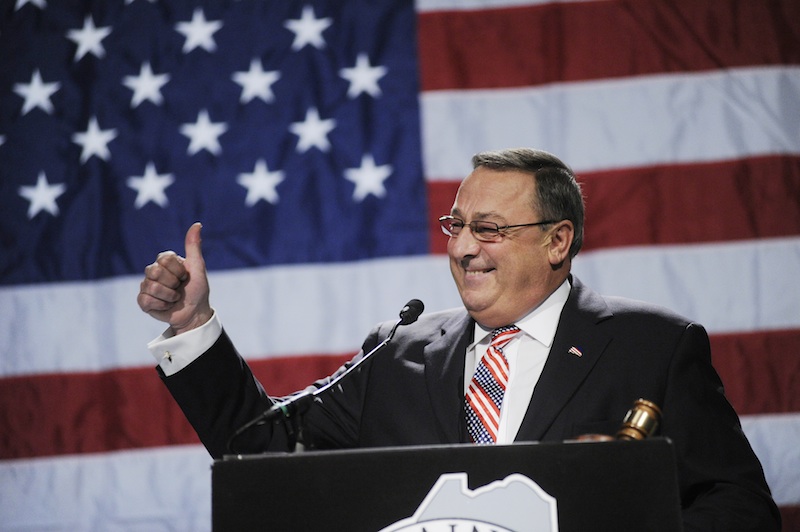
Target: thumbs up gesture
<point>175,289</point>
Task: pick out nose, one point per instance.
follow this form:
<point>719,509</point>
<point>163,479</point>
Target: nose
<point>463,246</point>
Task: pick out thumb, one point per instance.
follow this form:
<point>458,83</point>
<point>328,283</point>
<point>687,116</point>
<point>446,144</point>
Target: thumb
<point>193,243</point>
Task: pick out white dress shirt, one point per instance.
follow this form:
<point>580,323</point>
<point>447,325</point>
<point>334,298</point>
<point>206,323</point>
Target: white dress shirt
<point>173,353</point>
<point>526,354</point>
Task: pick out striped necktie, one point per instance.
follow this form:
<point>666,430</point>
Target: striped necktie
<point>484,397</point>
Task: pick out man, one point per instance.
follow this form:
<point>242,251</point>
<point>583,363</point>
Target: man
<point>573,361</point>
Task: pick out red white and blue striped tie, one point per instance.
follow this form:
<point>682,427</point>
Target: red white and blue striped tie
<point>484,397</point>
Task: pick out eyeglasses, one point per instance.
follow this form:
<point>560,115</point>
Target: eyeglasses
<point>483,230</point>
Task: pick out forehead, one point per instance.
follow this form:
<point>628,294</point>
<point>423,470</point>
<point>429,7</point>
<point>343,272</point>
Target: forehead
<point>488,193</point>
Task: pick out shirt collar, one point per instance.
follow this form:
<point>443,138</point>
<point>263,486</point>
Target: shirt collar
<point>540,323</point>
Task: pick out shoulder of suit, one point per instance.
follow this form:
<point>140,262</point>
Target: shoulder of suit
<point>627,308</point>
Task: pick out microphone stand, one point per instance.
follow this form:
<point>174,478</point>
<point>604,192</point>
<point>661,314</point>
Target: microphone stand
<point>291,410</point>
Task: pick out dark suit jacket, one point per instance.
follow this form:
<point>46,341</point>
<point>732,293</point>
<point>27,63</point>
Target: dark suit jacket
<point>412,394</point>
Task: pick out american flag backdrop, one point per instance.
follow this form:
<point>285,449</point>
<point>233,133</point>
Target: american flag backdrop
<point>318,141</point>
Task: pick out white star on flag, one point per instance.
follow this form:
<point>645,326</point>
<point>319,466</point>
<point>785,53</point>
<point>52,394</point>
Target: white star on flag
<point>261,184</point>
<point>89,39</point>
<point>313,131</point>
<point>256,83</point>
<point>368,178</point>
<point>199,32</point>
<point>204,134</point>
<point>43,196</point>
<point>308,29</point>
<point>94,141</point>
<point>150,187</point>
<point>363,77</point>
<point>37,93</point>
<point>146,86</point>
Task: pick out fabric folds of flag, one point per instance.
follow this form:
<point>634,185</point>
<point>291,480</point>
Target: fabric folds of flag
<point>318,142</point>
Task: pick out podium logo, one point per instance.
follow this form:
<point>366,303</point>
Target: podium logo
<point>514,504</point>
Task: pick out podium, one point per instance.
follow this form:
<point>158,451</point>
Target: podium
<point>616,485</point>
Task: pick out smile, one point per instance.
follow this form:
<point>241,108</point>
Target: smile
<point>474,273</point>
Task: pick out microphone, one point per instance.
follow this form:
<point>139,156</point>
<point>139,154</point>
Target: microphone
<point>295,406</point>
<point>411,312</point>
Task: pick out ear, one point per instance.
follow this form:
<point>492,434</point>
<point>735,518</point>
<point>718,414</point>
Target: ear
<point>560,240</point>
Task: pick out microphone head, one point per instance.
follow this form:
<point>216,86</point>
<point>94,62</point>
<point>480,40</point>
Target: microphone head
<point>411,312</point>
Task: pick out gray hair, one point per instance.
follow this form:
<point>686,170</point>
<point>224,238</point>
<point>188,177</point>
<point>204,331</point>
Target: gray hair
<point>558,193</point>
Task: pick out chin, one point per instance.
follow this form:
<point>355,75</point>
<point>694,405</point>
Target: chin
<point>482,316</point>
<point>491,317</point>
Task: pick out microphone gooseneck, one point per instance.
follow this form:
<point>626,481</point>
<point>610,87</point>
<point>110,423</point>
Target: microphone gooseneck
<point>291,409</point>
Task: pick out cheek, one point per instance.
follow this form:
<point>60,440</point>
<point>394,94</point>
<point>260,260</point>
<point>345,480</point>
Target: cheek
<point>454,269</point>
<point>523,273</point>
<point>450,247</point>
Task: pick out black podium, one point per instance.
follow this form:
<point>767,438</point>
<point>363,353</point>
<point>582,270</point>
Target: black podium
<point>616,485</point>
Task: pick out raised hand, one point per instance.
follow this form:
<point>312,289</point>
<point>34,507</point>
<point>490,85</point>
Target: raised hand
<point>175,289</point>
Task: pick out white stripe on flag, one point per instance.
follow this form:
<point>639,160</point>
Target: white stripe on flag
<point>775,439</point>
<point>618,123</point>
<point>729,287</point>
<point>162,489</point>
<point>324,309</point>
<point>329,309</point>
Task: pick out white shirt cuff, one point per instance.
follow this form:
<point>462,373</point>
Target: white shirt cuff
<point>173,353</point>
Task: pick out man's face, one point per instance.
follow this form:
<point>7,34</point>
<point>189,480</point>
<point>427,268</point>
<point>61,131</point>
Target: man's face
<point>500,282</point>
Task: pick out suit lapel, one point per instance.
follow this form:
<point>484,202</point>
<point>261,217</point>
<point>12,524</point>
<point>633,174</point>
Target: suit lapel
<point>444,374</point>
<point>576,348</point>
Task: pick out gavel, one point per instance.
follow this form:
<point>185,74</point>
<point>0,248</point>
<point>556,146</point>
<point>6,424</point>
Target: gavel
<point>640,422</point>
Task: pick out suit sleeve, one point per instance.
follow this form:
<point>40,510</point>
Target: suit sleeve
<point>722,482</point>
<point>218,394</point>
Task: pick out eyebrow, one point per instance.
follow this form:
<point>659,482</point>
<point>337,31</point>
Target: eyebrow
<point>479,216</point>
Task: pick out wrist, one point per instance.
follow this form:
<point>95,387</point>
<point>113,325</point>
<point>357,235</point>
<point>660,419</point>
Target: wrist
<point>198,319</point>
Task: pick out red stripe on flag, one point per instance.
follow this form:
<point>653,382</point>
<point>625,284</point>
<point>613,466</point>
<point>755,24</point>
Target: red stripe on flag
<point>540,44</point>
<point>675,204</point>
<point>760,370</point>
<point>70,413</point>
<point>790,516</point>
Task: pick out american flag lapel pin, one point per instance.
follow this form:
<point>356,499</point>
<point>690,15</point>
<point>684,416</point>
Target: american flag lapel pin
<point>575,351</point>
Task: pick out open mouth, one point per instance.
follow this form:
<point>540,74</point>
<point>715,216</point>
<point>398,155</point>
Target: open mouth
<point>473,273</point>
